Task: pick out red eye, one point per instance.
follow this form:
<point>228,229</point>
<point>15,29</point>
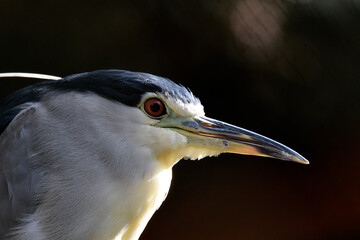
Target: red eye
<point>154,107</point>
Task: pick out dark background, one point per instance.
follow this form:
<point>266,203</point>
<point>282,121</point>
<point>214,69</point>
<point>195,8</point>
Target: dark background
<point>286,69</point>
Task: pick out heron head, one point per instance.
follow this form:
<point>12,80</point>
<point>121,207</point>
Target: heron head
<point>167,119</point>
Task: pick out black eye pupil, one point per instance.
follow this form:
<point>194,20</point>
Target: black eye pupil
<point>155,107</point>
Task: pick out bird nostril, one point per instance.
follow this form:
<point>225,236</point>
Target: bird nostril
<point>226,143</point>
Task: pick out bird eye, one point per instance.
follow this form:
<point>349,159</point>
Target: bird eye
<point>155,107</point>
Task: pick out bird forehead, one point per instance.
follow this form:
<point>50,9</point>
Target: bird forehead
<point>185,109</point>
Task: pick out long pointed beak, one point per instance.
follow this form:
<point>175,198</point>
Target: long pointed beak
<point>234,139</point>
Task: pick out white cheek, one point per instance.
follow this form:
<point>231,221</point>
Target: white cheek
<point>164,144</point>
<point>168,146</point>
<point>162,140</point>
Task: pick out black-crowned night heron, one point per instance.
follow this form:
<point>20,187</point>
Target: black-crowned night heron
<point>89,156</point>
